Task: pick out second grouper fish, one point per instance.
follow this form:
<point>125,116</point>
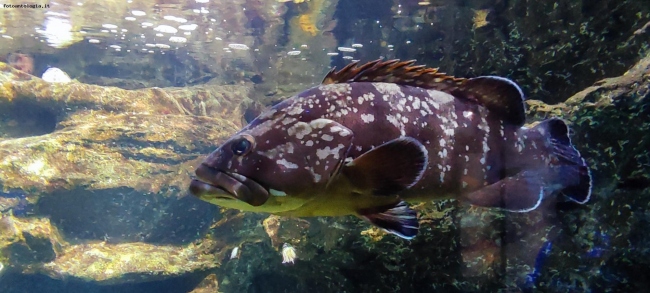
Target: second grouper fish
<point>372,137</point>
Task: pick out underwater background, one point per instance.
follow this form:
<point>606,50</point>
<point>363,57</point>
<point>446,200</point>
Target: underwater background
<point>107,107</point>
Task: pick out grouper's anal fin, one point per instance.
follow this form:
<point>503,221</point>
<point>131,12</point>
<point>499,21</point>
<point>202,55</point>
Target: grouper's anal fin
<point>522,192</point>
<point>397,219</point>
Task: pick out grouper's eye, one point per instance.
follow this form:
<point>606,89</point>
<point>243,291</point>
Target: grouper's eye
<point>242,145</point>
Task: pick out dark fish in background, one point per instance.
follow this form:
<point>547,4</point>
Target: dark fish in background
<point>20,206</point>
<point>374,136</point>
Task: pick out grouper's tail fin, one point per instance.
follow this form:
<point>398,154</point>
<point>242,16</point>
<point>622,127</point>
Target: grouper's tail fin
<point>573,172</point>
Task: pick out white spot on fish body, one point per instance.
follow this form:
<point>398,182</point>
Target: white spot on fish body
<point>486,147</point>
<point>468,114</point>
<point>426,108</point>
<point>416,104</point>
<point>288,120</point>
<point>387,88</point>
<point>295,110</point>
<point>340,130</point>
<point>367,118</point>
<point>482,160</point>
<point>440,97</point>
<point>443,153</point>
<point>393,120</point>
<point>286,164</point>
<point>327,151</point>
<point>309,143</point>
<point>464,184</point>
<point>327,137</point>
<point>337,89</point>
<point>316,176</point>
<point>520,147</point>
<point>442,142</point>
<point>299,130</point>
<point>319,123</point>
<point>360,100</point>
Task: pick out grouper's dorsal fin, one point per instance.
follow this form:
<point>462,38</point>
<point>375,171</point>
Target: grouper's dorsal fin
<point>499,95</point>
<point>394,71</point>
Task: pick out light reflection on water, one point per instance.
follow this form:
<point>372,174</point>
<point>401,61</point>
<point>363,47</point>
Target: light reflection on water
<point>213,29</point>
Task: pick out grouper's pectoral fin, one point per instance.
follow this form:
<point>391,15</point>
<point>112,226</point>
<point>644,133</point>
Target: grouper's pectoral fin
<point>396,219</point>
<point>388,168</point>
<point>522,192</point>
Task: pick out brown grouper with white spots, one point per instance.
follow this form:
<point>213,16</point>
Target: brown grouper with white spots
<point>373,137</point>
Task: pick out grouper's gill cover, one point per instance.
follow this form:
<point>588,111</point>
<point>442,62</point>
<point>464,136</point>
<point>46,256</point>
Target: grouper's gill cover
<point>373,136</point>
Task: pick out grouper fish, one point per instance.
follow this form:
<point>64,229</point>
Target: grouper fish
<point>373,137</point>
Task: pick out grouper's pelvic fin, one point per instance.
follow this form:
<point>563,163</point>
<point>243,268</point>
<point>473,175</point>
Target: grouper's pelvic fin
<point>567,172</point>
<point>396,219</point>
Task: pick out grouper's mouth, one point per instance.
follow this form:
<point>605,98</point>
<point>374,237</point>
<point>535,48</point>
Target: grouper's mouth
<point>215,184</point>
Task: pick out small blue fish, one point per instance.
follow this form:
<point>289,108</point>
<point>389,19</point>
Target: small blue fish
<point>542,255</point>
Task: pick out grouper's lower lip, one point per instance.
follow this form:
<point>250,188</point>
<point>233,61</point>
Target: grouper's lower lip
<point>212,183</point>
